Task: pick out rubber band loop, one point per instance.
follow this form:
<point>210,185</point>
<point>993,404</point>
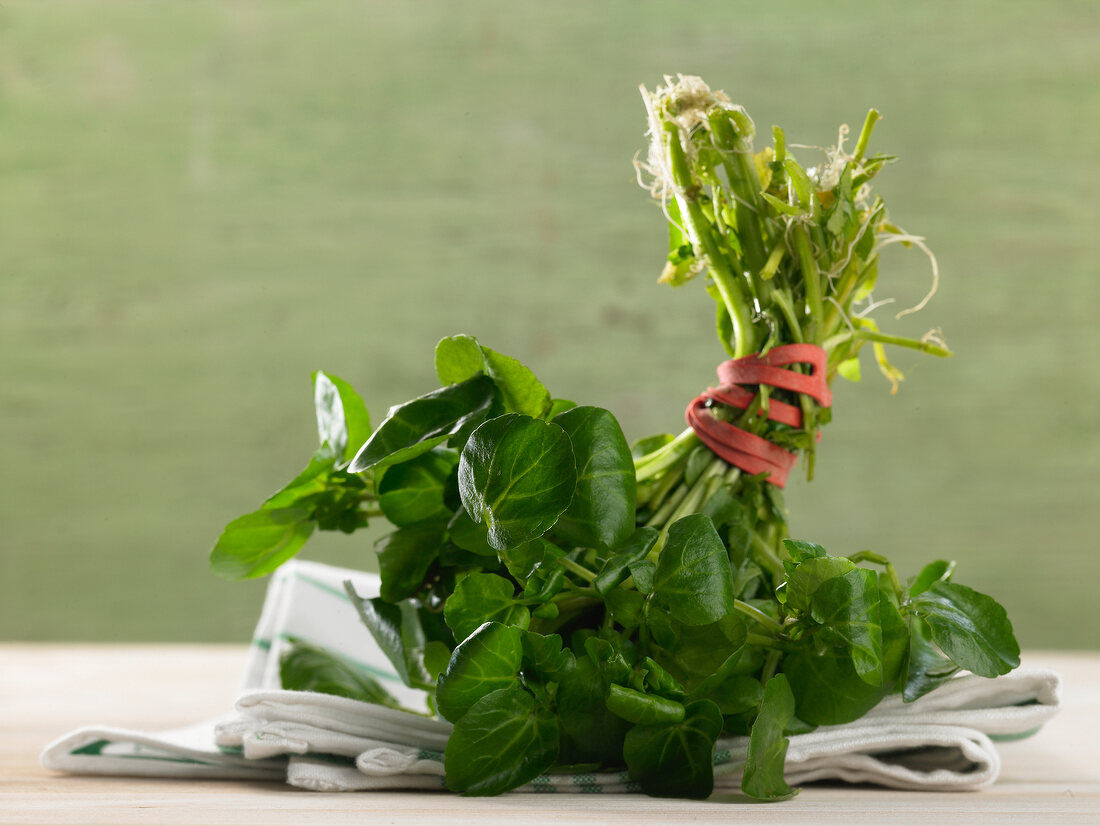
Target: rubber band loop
<point>755,454</point>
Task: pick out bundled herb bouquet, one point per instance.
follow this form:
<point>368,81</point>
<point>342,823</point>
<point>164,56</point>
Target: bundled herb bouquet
<point>569,600</point>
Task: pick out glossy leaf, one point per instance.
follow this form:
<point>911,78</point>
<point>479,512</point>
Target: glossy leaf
<point>930,574</point>
<point>617,568</point>
<point>693,575</point>
<point>470,535</point>
<point>399,634</point>
<point>404,557</point>
<point>343,423</point>
<point>479,598</point>
<point>971,628</point>
<point>643,709</point>
<point>849,607</point>
<point>926,668</point>
<point>257,543</point>
<point>413,491</point>
<point>763,777</point>
<point>544,656</point>
<point>305,667</point>
<point>487,660</point>
<point>459,358</point>
<point>808,576</point>
<point>676,759</point>
<point>517,475</point>
<point>601,513</point>
<point>417,426</point>
<point>504,740</point>
<point>826,687</point>
<point>593,733</point>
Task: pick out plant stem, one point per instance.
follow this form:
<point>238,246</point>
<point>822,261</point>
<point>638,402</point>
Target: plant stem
<point>863,334</point>
<point>758,615</point>
<point>575,568</point>
<point>699,230</point>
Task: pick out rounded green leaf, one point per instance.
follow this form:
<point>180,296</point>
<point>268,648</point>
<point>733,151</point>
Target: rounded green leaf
<point>417,426</point>
<point>414,491</point>
<point>506,739</point>
<point>479,598</point>
<point>972,629</point>
<point>676,759</point>
<point>487,660</point>
<point>517,475</point>
<point>643,709</point>
<point>601,514</point>
<point>693,579</point>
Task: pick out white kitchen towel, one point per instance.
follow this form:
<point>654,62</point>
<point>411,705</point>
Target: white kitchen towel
<point>322,742</point>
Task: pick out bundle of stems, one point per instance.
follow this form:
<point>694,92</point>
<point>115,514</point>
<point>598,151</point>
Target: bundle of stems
<point>790,255</point>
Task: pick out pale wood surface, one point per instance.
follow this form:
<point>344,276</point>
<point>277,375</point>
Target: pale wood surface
<point>47,690</point>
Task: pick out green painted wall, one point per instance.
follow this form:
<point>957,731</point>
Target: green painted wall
<point>202,202</point>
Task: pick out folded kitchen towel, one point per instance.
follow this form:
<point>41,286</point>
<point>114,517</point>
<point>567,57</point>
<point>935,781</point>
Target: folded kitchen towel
<point>943,741</point>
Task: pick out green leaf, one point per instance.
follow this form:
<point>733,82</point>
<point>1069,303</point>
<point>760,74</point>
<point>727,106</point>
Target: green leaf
<point>524,560</point>
<point>517,474</point>
<point>479,598</point>
<point>972,629</point>
<point>926,669</point>
<point>736,694</point>
<point>643,709</point>
<point>305,667</point>
<point>404,557</point>
<point>617,568</point>
<point>693,575</point>
<point>257,543</point>
<point>601,513</point>
<point>808,576</point>
<point>399,634</point>
<point>459,358</point>
<point>676,759</point>
<point>763,777</point>
<point>930,574</point>
<point>649,444</point>
<point>849,607</point>
<point>470,535</point>
<point>504,740</point>
<point>593,733</point>
<point>343,423</point>
<point>849,369</point>
<point>487,660</point>
<point>826,687</point>
<point>543,655</point>
<point>414,491</point>
<point>800,550</point>
<point>701,650</point>
<point>559,406</point>
<point>644,573</point>
<point>417,426</point>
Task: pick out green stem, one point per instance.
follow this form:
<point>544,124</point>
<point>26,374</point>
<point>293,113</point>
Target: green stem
<point>575,568</point>
<point>864,334</point>
<point>758,615</point>
<point>761,639</point>
<point>869,122</point>
<point>812,278</point>
<point>699,230</point>
<point>648,466</point>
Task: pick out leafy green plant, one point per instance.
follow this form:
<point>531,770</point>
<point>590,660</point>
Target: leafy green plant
<point>566,600</point>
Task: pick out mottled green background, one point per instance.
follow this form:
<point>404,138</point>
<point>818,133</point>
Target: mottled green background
<point>202,202</point>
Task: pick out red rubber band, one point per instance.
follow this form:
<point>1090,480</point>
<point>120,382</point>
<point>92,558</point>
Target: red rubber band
<point>755,454</point>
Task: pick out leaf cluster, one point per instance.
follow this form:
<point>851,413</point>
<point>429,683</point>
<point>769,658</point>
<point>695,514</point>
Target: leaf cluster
<point>559,626</point>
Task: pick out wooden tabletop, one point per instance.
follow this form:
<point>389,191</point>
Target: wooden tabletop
<point>47,690</point>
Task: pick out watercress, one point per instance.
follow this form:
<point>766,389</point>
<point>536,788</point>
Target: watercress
<point>565,599</point>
